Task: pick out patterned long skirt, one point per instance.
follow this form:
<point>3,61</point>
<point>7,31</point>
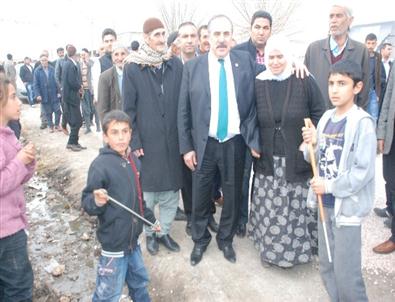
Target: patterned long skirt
<point>282,228</point>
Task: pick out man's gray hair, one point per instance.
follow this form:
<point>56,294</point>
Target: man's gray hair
<point>219,17</point>
<point>343,4</point>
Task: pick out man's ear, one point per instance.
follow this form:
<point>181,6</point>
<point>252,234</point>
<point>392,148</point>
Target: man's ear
<point>358,87</point>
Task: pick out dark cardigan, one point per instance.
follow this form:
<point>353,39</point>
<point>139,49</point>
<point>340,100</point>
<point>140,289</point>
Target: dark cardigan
<point>301,99</point>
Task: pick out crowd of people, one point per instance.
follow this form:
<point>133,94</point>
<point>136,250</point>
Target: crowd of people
<point>197,116</point>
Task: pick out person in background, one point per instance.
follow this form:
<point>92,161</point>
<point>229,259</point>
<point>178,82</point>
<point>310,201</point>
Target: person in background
<point>26,75</point>
<point>17,165</point>
<point>204,43</point>
<point>386,51</point>
<point>10,70</point>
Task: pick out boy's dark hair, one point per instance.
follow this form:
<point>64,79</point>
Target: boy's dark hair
<point>85,50</point>
<point>108,31</point>
<point>261,14</point>
<point>59,49</point>
<point>200,30</point>
<point>371,37</point>
<point>115,115</point>
<point>348,68</point>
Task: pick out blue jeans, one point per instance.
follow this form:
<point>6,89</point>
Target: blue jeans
<point>16,275</point>
<point>30,97</point>
<point>373,105</point>
<point>112,273</point>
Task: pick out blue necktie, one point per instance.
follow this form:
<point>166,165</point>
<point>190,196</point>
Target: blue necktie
<point>222,128</point>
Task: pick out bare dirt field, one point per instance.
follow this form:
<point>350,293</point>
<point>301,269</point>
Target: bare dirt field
<point>62,241</point>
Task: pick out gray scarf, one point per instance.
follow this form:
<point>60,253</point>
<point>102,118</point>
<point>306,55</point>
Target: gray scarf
<point>147,56</point>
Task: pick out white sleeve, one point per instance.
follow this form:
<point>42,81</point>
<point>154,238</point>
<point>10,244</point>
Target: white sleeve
<point>96,71</point>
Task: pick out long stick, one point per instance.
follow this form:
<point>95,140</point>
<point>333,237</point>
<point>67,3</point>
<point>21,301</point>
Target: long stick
<point>131,211</point>
<point>307,123</point>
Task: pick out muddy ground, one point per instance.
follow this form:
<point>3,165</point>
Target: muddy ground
<point>62,239</point>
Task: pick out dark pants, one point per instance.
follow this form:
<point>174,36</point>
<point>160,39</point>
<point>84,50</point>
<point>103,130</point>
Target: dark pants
<point>87,108</point>
<point>51,109</point>
<point>389,177</point>
<point>64,115</point>
<point>228,157</point>
<point>74,119</point>
<point>243,219</point>
<point>16,275</point>
<point>43,116</point>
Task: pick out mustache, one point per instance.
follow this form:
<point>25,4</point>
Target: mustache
<point>221,45</point>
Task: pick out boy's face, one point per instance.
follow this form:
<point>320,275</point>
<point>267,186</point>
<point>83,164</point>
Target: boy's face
<point>118,136</point>
<point>342,90</point>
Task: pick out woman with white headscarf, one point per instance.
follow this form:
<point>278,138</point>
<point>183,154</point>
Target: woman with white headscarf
<point>280,225</point>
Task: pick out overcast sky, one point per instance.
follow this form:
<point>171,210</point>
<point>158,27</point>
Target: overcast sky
<point>27,27</point>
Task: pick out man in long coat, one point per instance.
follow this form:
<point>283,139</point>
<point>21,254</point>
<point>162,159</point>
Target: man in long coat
<point>151,86</point>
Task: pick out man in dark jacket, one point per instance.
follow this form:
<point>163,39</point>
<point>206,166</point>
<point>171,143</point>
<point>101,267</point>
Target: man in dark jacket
<point>71,89</point>
<point>151,86</point>
<point>47,92</point>
<point>26,75</point>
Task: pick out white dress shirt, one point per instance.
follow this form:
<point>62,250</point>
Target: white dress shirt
<point>233,110</point>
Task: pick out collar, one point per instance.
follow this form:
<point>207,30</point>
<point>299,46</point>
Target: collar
<point>72,60</point>
<point>212,58</point>
<point>334,47</point>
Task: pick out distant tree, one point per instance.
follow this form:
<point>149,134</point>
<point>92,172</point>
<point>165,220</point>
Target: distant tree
<point>175,12</point>
<point>281,11</point>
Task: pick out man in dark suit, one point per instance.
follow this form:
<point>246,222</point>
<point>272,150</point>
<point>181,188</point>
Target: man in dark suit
<point>26,75</point>
<point>71,89</point>
<point>216,119</point>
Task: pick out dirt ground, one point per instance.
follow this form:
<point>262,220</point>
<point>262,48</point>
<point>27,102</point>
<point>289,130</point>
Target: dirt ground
<point>61,234</point>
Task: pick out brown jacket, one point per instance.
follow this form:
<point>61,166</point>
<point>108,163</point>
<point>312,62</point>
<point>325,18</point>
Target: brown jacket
<point>109,97</point>
<point>318,61</point>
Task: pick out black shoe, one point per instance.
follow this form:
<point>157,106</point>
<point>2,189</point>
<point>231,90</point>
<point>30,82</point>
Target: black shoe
<point>74,148</point>
<point>382,212</point>
<point>212,224</point>
<point>229,252</point>
<point>241,230</point>
<point>188,228</point>
<point>152,245</point>
<point>180,215</point>
<point>82,148</point>
<point>388,222</point>
<point>169,243</point>
<point>43,126</point>
<point>197,254</point>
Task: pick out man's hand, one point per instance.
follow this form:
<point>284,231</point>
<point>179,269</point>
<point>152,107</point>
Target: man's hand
<point>190,160</point>
<point>380,146</point>
<point>156,227</point>
<point>318,185</point>
<point>300,70</point>
<point>139,152</point>
<point>101,197</point>
<point>255,153</point>
<point>38,98</point>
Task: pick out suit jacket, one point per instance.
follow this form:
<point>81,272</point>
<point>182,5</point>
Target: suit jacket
<point>318,61</point>
<point>195,103</point>
<point>71,83</point>
<point>26,74</point>
<point>109,94</point>
<point>44,86</point>
<point>386,124</point>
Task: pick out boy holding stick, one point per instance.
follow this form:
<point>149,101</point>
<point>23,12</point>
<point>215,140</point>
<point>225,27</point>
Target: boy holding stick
<point>113,175</point>
<point>345,147</point>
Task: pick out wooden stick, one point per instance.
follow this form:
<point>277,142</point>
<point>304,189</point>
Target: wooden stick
<point>308,123</point>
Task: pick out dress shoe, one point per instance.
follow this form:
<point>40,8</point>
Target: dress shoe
<point>382,212</point>
<point>152,245</point>
<point>43,126</point>
<point>88,130</point>
<point>169,243</point>
<point>229,252</point>
<point>74,148</point>
<point>385,247</point>
<point>197,254</point>
<point>82,148</point>
<point>180,215</point>
<point>212,224</point>
<point>388,222</point>
<point>241,230</point>
<point>188,228</point>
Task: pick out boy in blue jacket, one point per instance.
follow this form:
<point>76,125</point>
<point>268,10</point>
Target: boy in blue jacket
<point>345,145</point>
<point>114,173</point>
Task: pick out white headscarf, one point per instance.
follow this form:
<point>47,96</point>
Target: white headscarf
<point>280,43</point>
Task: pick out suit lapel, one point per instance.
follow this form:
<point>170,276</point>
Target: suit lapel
<point>327,51</point>
<point>205,76</point>
<point>115,81</point>
<point>236,72</point>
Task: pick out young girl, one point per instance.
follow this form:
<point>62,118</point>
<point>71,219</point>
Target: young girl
<point>16,167</point>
